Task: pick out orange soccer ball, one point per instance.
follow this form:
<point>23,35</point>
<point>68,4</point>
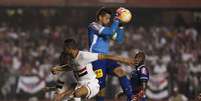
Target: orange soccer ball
<point>125,15</point>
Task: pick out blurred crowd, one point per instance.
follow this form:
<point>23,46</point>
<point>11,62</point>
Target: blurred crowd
<point>26,57</point>
<point>173,55</point>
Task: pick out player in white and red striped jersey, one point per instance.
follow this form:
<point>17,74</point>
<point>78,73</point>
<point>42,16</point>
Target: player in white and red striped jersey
<point>80,63</point>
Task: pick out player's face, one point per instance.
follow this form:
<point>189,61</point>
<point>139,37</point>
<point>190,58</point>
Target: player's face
<point>72,52</point>
<point>105,20</point>
<point>138,59</point>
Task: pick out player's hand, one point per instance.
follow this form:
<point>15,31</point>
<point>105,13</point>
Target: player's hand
<point>60,95</point>
<point>141,93</point>
<point>55,70</point>
<point>134,98</point>
<point>119,11</point>
<point>138,96</point>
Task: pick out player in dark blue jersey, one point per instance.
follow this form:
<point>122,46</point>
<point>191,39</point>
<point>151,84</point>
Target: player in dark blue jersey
<point>139,78</point>
<point>99,35</point>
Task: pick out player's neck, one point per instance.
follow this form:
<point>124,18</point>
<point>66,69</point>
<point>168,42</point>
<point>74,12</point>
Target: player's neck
<point>99,22</point>
<point>139,66</point>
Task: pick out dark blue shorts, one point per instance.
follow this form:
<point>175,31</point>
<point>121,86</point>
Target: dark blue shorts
<point>103,67</point>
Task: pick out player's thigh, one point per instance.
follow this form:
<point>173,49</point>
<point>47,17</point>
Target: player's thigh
<point>100,69</point>
<point>101,92</point>
<point>93,88</point>
<point>113,68</point>
<point>119,72</point>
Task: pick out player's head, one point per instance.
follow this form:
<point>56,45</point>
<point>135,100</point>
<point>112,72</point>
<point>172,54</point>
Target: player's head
<point>103,16</point>
<point>70,46</point>
<point>139,57</point>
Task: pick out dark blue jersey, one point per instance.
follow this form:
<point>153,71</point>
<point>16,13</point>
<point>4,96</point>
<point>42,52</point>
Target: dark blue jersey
<point>138,76</point>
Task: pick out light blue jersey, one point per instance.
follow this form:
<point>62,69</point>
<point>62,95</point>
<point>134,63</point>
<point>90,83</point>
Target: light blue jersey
<point>99,36</point>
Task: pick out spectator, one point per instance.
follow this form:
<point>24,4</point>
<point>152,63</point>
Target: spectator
<point>176,96</point>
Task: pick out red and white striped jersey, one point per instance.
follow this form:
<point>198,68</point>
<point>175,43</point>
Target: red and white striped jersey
<point>84,70</point>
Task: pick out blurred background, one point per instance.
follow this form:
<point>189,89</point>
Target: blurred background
<point>32,32</point>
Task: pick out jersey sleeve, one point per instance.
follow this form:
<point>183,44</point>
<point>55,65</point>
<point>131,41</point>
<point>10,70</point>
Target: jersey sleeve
<point>86,57</point>
<point>144,74</point>
<point>96,27</point>
<point>119,36</point>
<point>107,31</point>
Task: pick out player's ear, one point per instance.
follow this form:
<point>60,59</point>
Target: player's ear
<point>99,17</point>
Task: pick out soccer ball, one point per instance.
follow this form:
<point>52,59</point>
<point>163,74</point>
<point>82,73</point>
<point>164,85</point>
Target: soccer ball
<point>125,15</point>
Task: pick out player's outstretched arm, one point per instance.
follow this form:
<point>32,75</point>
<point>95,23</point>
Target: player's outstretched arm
<point>109,31</point>
<point>141,93</point>
<point>60,68</point>
<point>121,59</point>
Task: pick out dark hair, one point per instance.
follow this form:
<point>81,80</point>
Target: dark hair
<point>63,59</point>
<point>70,43</point>
<point>66,59</point>
<point>103,11</point>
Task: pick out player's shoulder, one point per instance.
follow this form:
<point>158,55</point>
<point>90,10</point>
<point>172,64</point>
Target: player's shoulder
<point>143,69</point>
<point>80,54</point>
<point>95,26</point>
<point>85,53</point>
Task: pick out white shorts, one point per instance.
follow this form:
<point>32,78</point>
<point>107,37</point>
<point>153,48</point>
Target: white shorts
<point>92,86</point>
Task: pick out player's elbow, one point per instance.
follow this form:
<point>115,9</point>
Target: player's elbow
<point>108,32</point>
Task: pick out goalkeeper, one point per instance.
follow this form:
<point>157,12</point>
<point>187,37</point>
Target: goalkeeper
<point>99,35</point>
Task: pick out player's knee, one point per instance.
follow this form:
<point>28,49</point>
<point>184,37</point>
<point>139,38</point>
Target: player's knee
<point>81,92</point>
<point>119,72</point>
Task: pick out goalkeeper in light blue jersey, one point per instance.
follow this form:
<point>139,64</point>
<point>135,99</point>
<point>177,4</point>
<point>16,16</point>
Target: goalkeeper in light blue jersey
<point>99,35</point>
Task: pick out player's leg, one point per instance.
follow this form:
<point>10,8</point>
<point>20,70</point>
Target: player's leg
<point>101,95</point>
<point>88,90</point>
<point>114,68</point>
<point>100,70</point>
<point>121,96</point>
<point>76,99</point>
<point>83,91</point>
<point>94,89</point>
<point>124,82</point>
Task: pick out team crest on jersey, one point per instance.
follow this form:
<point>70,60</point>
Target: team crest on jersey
<point>144,71</point>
